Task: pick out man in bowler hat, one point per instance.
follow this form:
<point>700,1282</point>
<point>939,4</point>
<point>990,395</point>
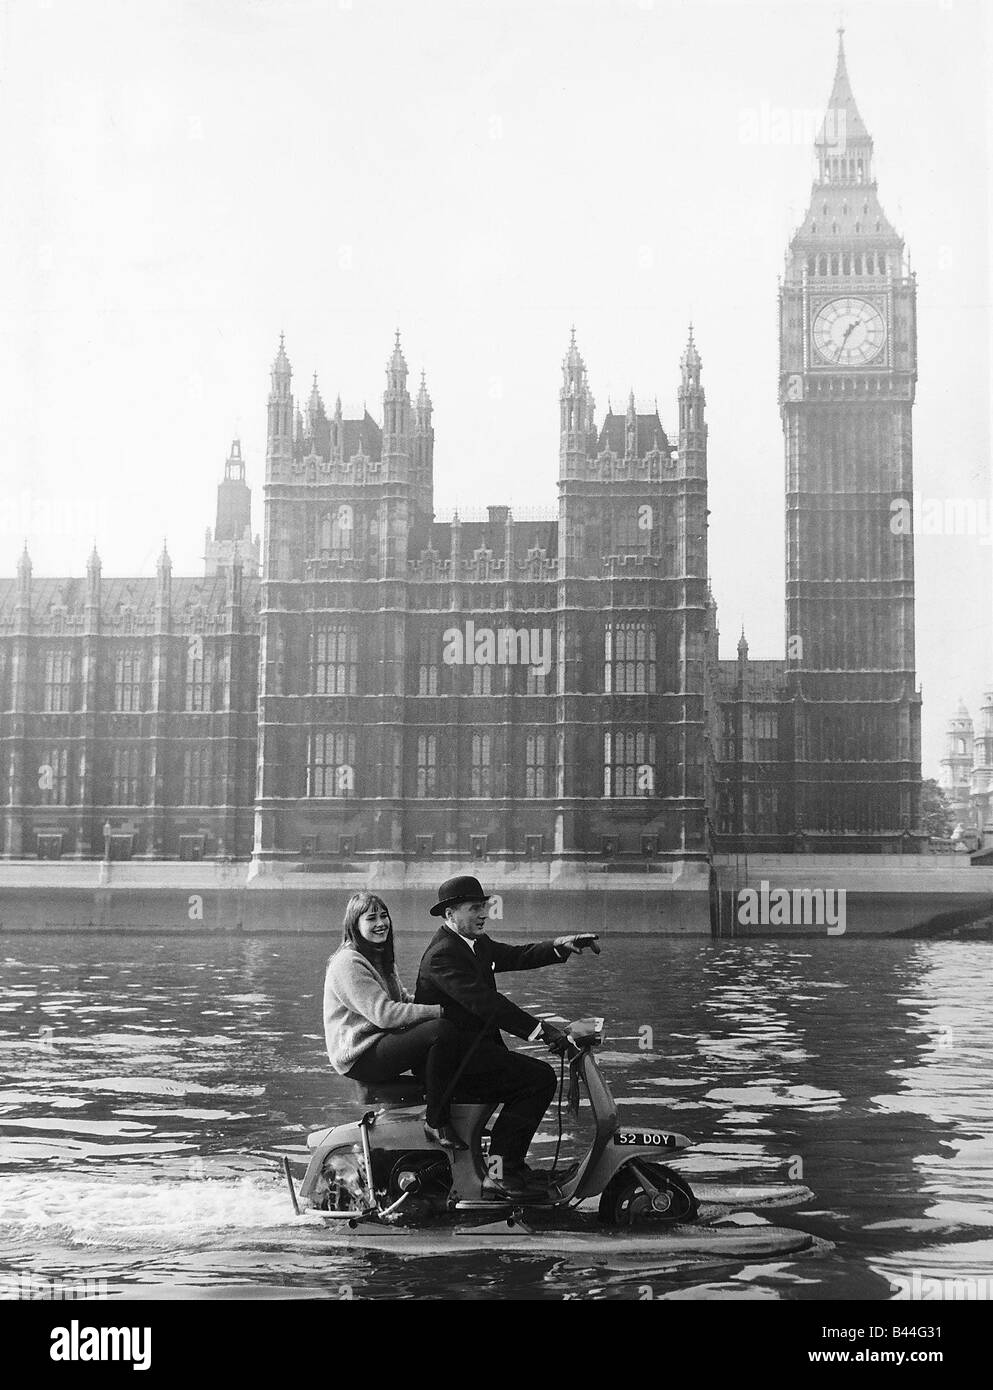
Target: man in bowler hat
<point>457,972</point>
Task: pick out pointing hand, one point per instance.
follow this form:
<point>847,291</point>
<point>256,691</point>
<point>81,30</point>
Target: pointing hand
<point>580,943</point>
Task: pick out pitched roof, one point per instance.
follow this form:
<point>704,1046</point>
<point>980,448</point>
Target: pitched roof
<point>479,535</point>
<point>364,431</point>
<point>649,434</point>
<point>137,593</point>
<point>764,679</point>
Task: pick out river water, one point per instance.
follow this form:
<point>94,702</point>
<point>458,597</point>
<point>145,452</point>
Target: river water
<point>145,1084</point>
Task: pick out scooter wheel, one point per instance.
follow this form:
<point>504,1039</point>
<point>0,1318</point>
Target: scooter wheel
<point>624,1202</point>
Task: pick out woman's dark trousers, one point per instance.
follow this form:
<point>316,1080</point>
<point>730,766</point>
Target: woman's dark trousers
<point>431,1050</point>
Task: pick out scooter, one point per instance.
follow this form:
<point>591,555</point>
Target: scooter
<point>382,1169</point>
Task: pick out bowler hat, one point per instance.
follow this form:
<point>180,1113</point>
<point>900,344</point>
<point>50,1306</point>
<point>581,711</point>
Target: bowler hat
<point>461,889</point>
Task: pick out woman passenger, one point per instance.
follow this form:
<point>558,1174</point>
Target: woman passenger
<point>373,1030</point>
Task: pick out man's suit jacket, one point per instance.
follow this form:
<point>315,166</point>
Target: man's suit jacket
<point>460,979</point>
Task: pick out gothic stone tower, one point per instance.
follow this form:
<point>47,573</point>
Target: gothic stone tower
<point>848,367</point>
<point>232,541</point>
<point>982,770</point>
<point>957,765</point>
<point>347,504</point>
<point>633,614</point>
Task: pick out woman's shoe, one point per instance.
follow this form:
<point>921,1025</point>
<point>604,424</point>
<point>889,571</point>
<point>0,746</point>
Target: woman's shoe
<point>445,1136</point>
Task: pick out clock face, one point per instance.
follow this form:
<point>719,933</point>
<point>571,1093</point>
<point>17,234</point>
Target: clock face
<point>849,332</point>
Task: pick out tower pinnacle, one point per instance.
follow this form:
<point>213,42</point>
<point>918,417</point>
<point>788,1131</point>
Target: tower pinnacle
<point>281,373</point>
<point>396,368</point>
<point>843,144</point>
<point>691,362</point>
<point>576,411</point>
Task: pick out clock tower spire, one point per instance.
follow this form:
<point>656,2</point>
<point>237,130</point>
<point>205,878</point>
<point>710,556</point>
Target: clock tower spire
<point>843,145</point>
<point>848,370</point>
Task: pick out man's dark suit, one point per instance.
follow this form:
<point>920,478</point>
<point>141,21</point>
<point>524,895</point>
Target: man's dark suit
<point>460,979</point>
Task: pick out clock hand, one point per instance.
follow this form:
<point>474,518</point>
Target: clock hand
<point>844,339</point>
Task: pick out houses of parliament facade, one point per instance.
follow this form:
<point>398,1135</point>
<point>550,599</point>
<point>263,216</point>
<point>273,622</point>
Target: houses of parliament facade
<point>373,683</point>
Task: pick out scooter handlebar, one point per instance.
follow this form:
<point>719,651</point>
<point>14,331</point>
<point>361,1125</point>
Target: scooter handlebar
<point>585,1032</point>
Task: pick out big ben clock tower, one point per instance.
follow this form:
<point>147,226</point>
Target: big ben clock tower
<point>848,366</point>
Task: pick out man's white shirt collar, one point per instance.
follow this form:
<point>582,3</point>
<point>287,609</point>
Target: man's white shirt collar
<point>467,939</point>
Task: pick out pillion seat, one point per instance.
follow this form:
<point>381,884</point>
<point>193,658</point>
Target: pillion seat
<point>404,1090</point>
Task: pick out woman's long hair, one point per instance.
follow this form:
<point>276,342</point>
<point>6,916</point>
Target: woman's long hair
<point>358,905</point>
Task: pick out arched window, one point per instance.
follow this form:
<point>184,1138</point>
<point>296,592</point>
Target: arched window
<point>331,765</point>
<point>535,765</point>
<point>482,766</point>
<point>629,653</point>
<point>342,530</point>
<point>427,670</point>
<point>125,777</point>
<point>334,656</point>
<point>199,674</point>
<point>127,679</point>
<point>196,777</point>
<point>57,693</point>
<point>628,764</point>
<point>427,764</point>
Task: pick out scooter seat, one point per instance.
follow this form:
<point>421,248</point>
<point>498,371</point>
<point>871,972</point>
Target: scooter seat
<point>405,1090</point>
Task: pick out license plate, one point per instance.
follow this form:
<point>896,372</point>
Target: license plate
<point>647,1139</point>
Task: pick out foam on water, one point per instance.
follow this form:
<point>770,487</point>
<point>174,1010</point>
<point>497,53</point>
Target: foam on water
<point>105,1211</point>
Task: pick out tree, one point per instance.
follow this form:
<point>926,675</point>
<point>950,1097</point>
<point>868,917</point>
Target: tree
<point>936,817</point>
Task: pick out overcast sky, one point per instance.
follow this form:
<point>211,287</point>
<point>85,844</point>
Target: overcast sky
<point>181,181</point>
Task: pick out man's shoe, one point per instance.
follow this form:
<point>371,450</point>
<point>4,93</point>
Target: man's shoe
<point>514,1184</point>
<point>445,1136</point>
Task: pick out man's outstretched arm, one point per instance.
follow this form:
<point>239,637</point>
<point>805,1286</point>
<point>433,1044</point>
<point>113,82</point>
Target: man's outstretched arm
<point>540,953</point>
